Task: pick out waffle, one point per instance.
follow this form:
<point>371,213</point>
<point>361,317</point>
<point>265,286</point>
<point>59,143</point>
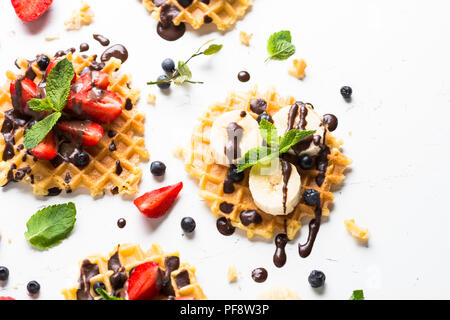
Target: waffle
<point>99,175</point>
<point>199,163</point>
<point>130,256</point>
<point>223,13</point>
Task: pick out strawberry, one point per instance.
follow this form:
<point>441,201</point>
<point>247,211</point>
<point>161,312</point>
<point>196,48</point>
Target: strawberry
<point>98,79</point>
<point>29,91</point>
<point>7,298</point>
<point>96,104</point>
<point>53,63</point>
<point>145,282</point>
<point>47,149</point>
<point>156,203</point>
<point>89,132</point>
<point>30,10</point>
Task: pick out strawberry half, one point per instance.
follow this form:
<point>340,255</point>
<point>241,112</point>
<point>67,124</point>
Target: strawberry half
<point>29,91</point>
<point>7,298</point>
<point>145,282</point>
<point>30,10</point>
<point>156,203</point>
<point>89,132</point>
<point>47,149</point>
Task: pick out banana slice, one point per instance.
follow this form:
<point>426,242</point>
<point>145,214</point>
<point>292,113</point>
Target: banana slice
<point>232,135</point>
<point>275,187</point>
<point>301,116</point>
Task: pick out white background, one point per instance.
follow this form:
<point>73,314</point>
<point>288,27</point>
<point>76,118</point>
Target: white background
<point>394,54</point>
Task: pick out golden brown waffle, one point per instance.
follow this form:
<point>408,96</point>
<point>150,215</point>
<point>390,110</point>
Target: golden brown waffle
<point>223,13</point>
<point>199,162</point>
<point>99,176</point>
<point>130,256</point>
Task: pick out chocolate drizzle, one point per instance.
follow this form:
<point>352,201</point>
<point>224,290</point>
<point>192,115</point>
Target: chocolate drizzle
<point>286,170</point>
<point>314,225</point>
<point>182,279</point>
<point>117,51</point>
<point>171,263</point>
<point>259,275</point>
<point>279,258</point>
<point>101,39</point>
<point>226,207</point>
<point>119,277</point>
<point>166,28</point>
<point>225,227</point>
<point>235,133</point>
<point>88,271</point>
<point>248,217</point>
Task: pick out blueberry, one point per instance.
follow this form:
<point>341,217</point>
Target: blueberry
<point>316,279</point>
<point>4,273</point>
<point>168,65</point>
<point>265,116</point>
<point>33,287</point>
<point>306,162</point>
<point>185,3</point>
<point>311,197</point>
<point>234,175</point>
<point>163,85</point>
<point>346,92</point>
<point>188,224</point>
<point>43,62</point>
<point>158,168</point>
<point>100,285</point>
<point>81,159</point>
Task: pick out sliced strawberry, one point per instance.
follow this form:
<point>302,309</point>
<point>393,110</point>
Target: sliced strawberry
<point>29,10</point>
<point>89,132</point>
<point>156,203</point>
<point>7,298</point>
<point>47,149</point>
<point>29,90</point>
<point>53,63</point>
<point>98,105</point>
<point>145,282</point>
<point>98,79</point>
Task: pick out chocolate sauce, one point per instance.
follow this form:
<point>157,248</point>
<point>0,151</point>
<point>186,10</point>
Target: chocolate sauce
<point>228,186</point>
<point>29,73</point>
<point>314,225</point>
<point>243,76</point>
<point>182,279</point>
<point>68,178</point>
<point>159,3</point>
<point>52,192</point>
<point>235,133</point>
<point>279,258</point>
<point>119,277</point>
<point>114,261</point>
<point>243,114</point>
<point>84,47</point>
<point>112,146</point>
<point>207,19</point>
<point>117,51</point>
<point>87,272</point>
<point>258,106</point>
<point>111,133</point>
<point>226,207</point>
<point>248,217</point>
<point>171,263</point>
<point>225,227</point>
<point>286,170</point>
<point>231,178</point>
<point>115,190</point>
<point>259,275</point>
<point>166,28</point>
<point>119,168</point>
<point>322,161</point>
<point>101,39</point>
<point>121,223</point>
<point>128,104</point>
<point>331,121</point>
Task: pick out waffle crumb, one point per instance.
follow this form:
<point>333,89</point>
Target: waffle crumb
<point>178,152</point>
<point>80,17</point>
<point>151,99</point>
<point>245,38</point>
<point>279,293</point>
<point>232,274</point>
<point>9,240</point>
<point>51,37</point>
<point>298,68</point>
<point>356,231</point>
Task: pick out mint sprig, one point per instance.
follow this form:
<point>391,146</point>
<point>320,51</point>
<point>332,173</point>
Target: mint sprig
<point>279,46</point>
<point>57,90</point>
<point>101,292</point>
<point>276,145</point>
<point>357,295</point>
<point>49,226</point>
<point>182,73</point>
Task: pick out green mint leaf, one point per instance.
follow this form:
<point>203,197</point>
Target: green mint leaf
<point>51,225</point>
<point>41,105</point>
<point>279,45</point>
<point>58,83</point>
<point>39,131</point>
<point>292,137</point>
<point>101,292</point>
<point>212,49</point>
<point>256,155</point>
<point>269,133</point>
<point>183,70</point>
<point>357,295</point>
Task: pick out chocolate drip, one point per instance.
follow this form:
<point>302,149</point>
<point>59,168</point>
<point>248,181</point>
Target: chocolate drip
<point>231,178</point>
<point>225,227</point>
<point>119,277</point>
<point>171,263</point>
<point>88,270</point>
<point>314,225</point>
<point>286,170</point>
<point>112,146</point>
<point>235,133</point>
<point>259,275</point>
<point>68,178</point>
<point>279,258</point>
<point>322,161</point>
<point>226,207</point>
<point>121,223</point>
<point>182,279</point>
<point>117,51</point>
<point>84,47</point>
<point>119,168</point>
<point>331,121</point>
<point>114,262</point>
<point>166,28</point>
<point>258,106</point>
<point>248,217</point>
<point>101,39</point>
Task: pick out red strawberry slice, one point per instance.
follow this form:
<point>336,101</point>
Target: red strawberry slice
<point>7,298</point>
<point>29,90</point>
<point>47,149</point>
<point>98,105</point>
<point>53,63</point>
<point>98,79</point>
<point>89,132</point>
<point>145,282</point>
<point>156,203</point>
<point>29,10</point>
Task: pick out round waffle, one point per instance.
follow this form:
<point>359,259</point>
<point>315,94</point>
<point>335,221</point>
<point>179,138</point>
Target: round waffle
<point>99,176</point>
<point>130,256</point>
<point>223,13</point>
<point>199,163</point>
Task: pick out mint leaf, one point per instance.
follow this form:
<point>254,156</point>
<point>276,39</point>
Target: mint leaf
<point>256,155</point>
<point>269,133</point>
<point>40,105</point>
<point>58,83</point>
<point>357,295</point>
<point>212,49</point>
<point>184,72</point>
<point>101,292</point>
<point>279,46</point>
<point>51,225</point>
<point>292,137</point>
<point>39,131</point>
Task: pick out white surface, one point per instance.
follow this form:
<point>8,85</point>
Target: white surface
<point>394,54</point>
